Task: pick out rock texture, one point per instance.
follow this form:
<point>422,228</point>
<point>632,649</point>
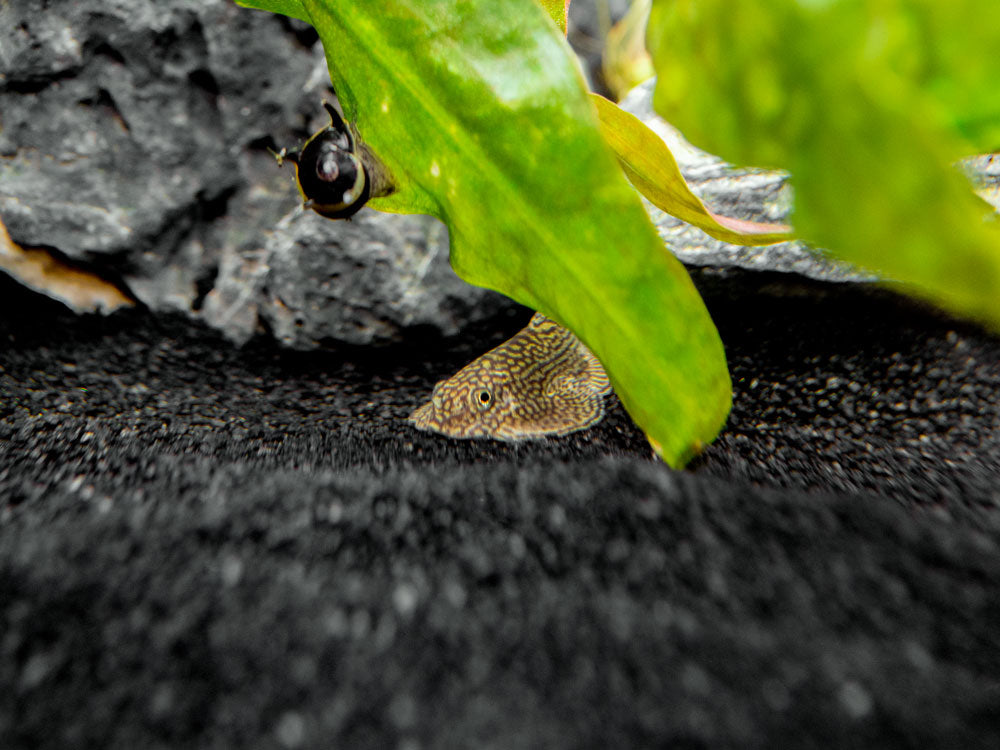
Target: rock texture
<point>125,124</point>
<point>134,140</point>
<point>362,282</point>
<point>984,173</point>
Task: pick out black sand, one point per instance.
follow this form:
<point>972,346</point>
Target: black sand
<point>209,547</point>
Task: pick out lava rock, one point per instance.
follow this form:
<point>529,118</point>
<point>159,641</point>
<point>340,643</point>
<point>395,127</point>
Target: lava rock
<point>122,123</point>
<point>134,141</point>
<point>361,282</point>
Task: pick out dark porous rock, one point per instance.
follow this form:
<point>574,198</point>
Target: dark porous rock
<point>124,125</point>
<point>134,140</point>
<point>128,127</point>
<point>362,281</point>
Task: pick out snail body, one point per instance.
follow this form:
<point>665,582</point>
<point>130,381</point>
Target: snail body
<point>336,172</point>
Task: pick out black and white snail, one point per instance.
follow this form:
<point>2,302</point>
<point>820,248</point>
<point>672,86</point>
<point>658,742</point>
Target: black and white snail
<point>336,172</point>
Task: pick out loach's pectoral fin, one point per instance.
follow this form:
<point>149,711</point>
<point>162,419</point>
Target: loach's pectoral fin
<point>421,417</point>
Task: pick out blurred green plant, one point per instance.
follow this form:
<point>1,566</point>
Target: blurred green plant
<point>481,114</point>
<point>868,103</point>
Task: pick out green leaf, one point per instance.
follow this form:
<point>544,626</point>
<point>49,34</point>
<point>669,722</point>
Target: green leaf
<point>557,10</point>
<point>651,167</point>
<point>480,112</point>
<point>291,8</point>
<point>868,105</point>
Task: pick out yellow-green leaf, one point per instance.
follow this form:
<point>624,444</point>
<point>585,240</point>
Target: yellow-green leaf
<point>651,167</point>
<point>557,11</point>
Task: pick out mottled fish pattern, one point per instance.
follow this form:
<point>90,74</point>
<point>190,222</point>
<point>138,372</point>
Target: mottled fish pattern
<point>543,381</point>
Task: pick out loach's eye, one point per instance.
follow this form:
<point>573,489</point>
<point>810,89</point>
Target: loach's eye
<point>484,398</point>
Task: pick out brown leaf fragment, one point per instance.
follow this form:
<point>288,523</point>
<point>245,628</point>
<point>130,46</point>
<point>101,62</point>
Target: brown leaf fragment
<point>81,290</point>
